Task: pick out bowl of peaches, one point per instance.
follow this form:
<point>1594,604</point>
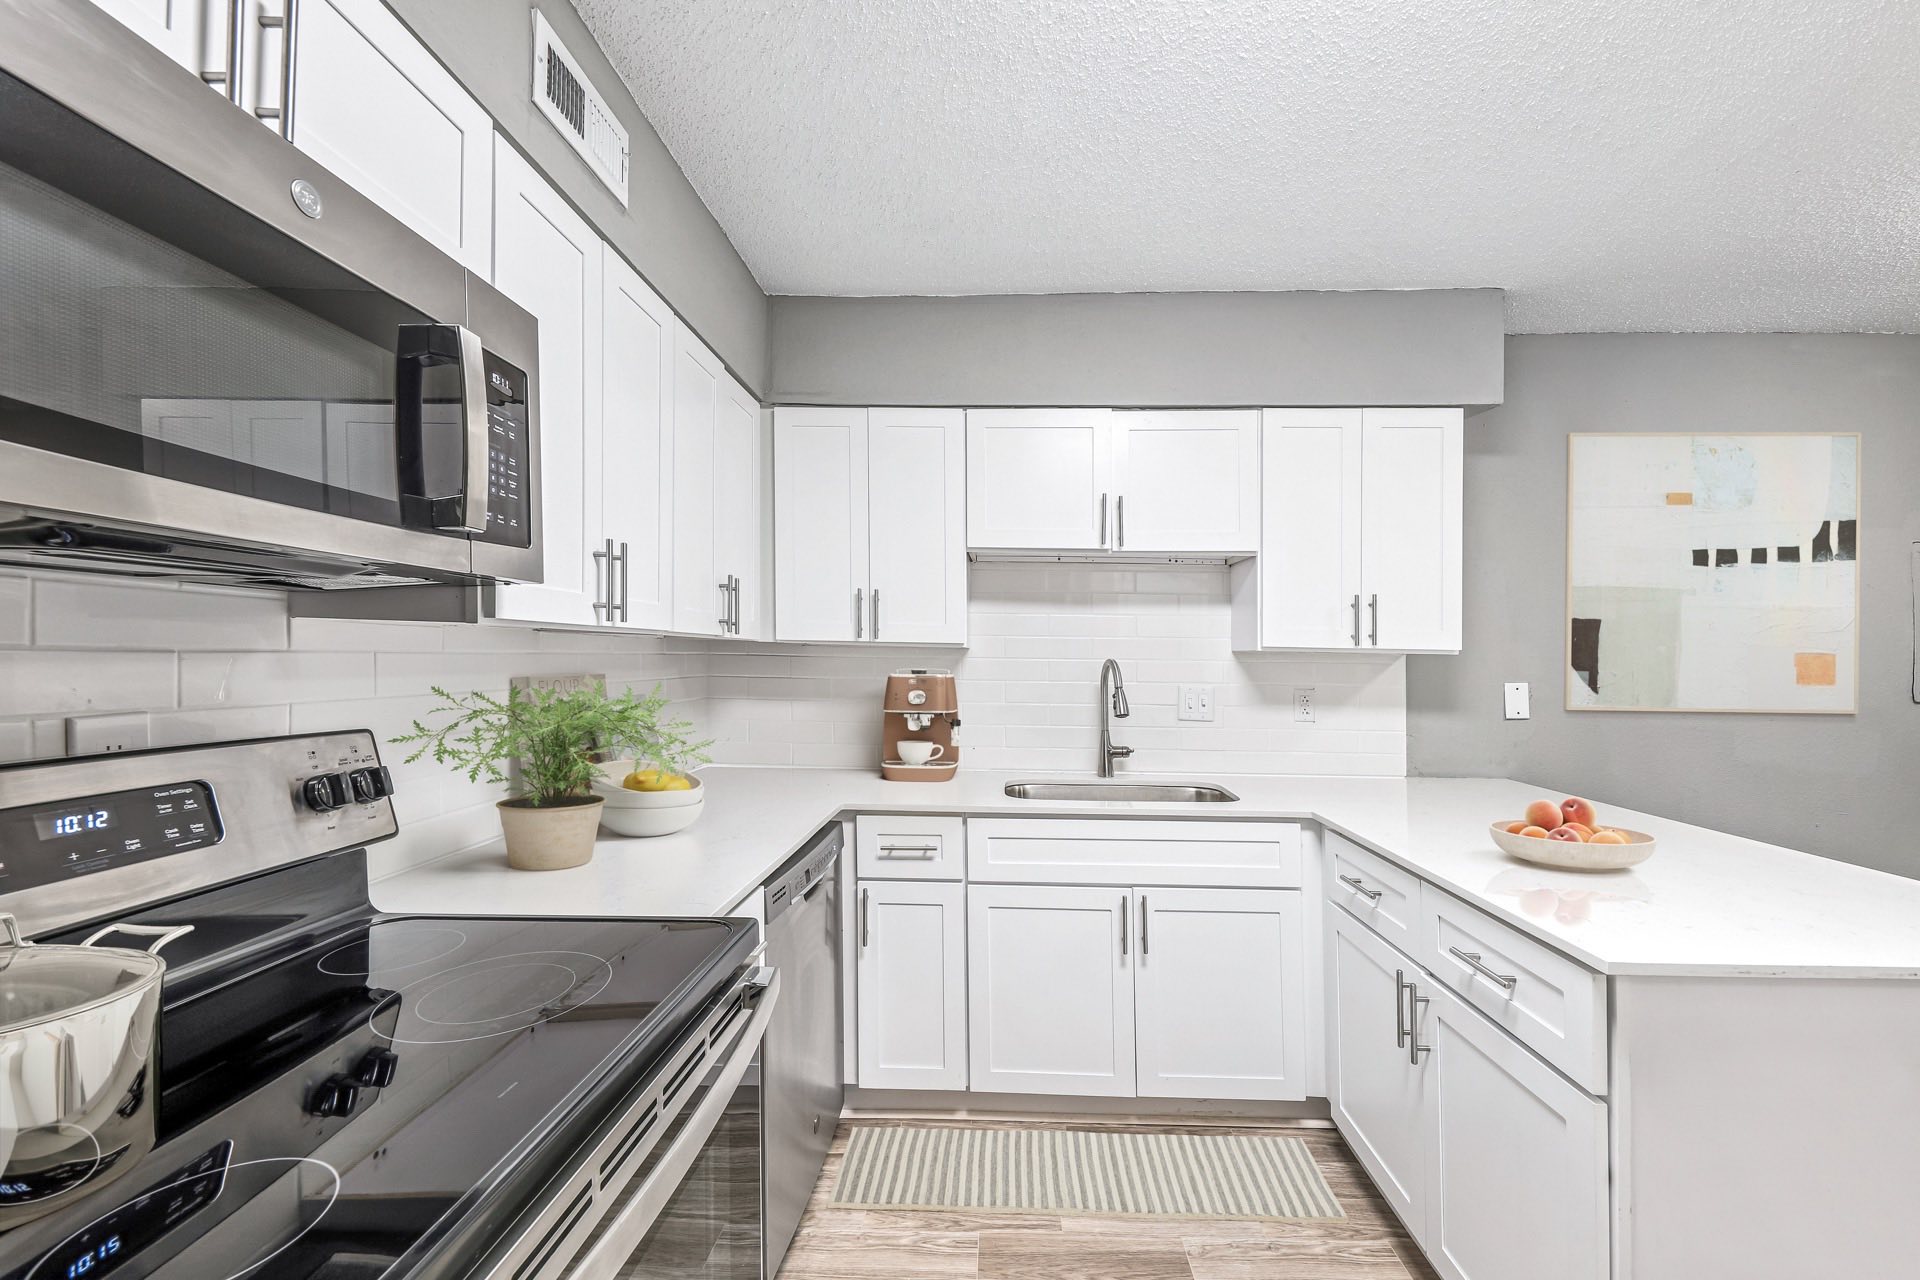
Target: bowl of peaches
<point>1569,835</point>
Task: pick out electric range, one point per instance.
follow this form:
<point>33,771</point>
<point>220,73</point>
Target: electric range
<point>345,1094</point>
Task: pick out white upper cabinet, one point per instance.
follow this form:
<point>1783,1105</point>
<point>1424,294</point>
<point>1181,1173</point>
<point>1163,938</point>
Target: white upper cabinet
<point>917,526</point>
<point>191,32</point>
<point>1310,556</point>
<point>737,503</point>
<point>1360,544</point>
<point>698,603</point>
<point>372,105</point>
<point>1187,481</point>
<point>548,260</point>
<point>1410,527</point>
<point>1220,994</point>
<point>636,450</point>
<point>869,511</point>
<point>1039,479</point>
<point>820,524</point>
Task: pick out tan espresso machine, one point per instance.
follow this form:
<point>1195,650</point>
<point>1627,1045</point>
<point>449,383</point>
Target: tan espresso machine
<point>920,713</point>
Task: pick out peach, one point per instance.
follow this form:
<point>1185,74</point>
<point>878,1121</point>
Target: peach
<point>1515,828</point>
<point>1565,834</point>
<point>1607,837</point>
<point>1574,809</point>
<point>1544,814</point>
<point>1534,832</point>
<point>1586,832</point>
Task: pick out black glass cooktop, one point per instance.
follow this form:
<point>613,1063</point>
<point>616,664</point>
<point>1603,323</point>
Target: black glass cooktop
<point>358,1105</point>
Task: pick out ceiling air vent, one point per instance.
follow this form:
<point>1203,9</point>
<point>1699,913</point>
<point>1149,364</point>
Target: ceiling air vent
<point>566,97</point>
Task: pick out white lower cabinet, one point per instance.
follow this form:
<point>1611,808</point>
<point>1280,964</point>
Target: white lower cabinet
<point>1142,992</point>
<point>1050,990</point>
<point>1496,1163</point>
<point>911,974</point>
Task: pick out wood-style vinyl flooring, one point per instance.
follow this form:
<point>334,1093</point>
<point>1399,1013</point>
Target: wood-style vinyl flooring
<point>866,1244</point>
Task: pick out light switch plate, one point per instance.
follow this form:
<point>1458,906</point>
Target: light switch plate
<point>1303,705</point>
<point>1519,701</point>
<point>99,735</point>
<point>1196,702</point>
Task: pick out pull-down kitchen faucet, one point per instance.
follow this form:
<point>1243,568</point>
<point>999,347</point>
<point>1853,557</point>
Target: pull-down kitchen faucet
<point>1116,701</point>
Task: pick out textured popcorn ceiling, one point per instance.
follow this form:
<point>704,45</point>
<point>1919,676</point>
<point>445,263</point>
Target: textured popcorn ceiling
<point>1613,164</point>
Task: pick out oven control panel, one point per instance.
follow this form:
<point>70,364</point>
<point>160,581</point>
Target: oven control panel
<point>47,843</point>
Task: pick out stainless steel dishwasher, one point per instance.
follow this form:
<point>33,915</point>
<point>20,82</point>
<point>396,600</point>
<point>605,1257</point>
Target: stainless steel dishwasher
<point>800,1068</point>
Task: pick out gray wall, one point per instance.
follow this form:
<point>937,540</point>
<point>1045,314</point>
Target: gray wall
<point>666,231</point>
<point>1835,785</point>
<point>1440,346</point>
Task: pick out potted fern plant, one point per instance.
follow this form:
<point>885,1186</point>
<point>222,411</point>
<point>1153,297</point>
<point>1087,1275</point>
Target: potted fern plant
<point>554,736</point>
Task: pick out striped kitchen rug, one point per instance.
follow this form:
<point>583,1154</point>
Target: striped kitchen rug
<point>1078,1172</point>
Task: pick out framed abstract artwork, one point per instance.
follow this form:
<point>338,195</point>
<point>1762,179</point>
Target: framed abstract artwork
<point>1713,572</point>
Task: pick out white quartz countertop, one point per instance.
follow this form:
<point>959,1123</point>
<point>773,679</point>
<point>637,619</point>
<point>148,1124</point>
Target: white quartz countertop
<point>1706,903</point>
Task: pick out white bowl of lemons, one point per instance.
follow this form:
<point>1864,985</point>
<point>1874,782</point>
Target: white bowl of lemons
<point>647,802</point>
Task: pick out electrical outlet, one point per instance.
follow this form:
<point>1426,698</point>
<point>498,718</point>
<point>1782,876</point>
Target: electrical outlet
<point>1196,702</point>
<point>1519,701</point>
<point>99,735</point>
<point>1303,705</point>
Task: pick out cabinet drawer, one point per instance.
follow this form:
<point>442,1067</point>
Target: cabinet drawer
<point>1553,1005</point>
<point>1242,855</point>
<point>1387,897</point>
<point>909,847</point>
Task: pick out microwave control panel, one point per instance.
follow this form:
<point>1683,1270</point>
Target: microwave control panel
<point>509,518</point>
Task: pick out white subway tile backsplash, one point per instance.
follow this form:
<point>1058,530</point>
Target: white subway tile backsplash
<point>216,724</point>
<point>253,679</point>
<point>63,682</point>
<point>71,613</point>
<point>16,610</point>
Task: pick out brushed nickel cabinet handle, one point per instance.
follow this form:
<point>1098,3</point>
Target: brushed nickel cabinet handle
<point>1124,913</point>
<point>1414,1047</point>
<point>229,79</point>
<point>603,559</point>
<point>1400,988</point>
<point>1373,627</point>
<point>865,935</point>
<point>288,24</point>
<point>733,589</point>
<point>1120,534</point>
<point>624,588</point>
<point>1359,886</point>
<point>874,630</point>
<point>1143,925</point>
<point>1505,981</point>
<point>859,612</point>
<point>1356,621</point>
<point>1103,519</point>
<point>917,851</point>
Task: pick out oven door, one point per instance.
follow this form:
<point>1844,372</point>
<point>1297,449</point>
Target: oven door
<point>684,1199</point>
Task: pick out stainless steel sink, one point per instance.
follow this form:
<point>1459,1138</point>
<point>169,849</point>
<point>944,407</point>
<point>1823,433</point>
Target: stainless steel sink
<point>1164,793</point>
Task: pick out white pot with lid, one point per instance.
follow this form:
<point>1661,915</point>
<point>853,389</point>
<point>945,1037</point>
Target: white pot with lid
<point>78,1031</point>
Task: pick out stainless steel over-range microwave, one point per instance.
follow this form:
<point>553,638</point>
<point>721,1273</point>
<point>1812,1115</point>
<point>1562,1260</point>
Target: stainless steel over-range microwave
<point>218,362</point>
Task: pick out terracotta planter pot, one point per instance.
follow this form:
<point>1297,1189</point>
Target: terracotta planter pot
<point>550,837</point>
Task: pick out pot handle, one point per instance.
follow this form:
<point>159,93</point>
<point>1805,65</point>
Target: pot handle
<point>161,934</point>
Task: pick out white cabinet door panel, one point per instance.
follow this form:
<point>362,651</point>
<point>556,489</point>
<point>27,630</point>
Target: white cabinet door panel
<point>548,259</point>
<point>820,524</point>
<point>636,452</point>
<point>1039,478</point>
<point>1187,481</point>
<point>1310,544</point>
<point>911,983</point>
<point>736,506</point>
<point>1378,1095</point>
<point>1411,528</point>
<point>1050,990</point>
<point>1220,993</point>
<point>191,32</point>
<point>1516,1171</point>
<point>917,525</point>
<point>380,111</point>
<point>697,378</point>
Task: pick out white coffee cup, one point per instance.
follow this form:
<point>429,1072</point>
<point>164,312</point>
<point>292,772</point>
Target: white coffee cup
<point>921,752</point>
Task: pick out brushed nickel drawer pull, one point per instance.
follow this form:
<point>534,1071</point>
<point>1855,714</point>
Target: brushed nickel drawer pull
<point>1505,981</point>
<point>1359,886</point>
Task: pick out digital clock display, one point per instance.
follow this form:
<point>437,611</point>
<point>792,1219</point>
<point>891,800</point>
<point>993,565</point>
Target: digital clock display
<point>103,1244</point>
<point>48,843</point>
<point>74,822</point>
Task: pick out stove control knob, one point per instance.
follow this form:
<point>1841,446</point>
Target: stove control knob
<point>334,1096</point>
<point>372,783</point>
<point>376,1068</point>
<point>326,792</point>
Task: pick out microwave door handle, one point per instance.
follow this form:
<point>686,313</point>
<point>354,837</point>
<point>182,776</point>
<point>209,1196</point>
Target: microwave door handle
<point>474,472</point>
<point>620,1234</point>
